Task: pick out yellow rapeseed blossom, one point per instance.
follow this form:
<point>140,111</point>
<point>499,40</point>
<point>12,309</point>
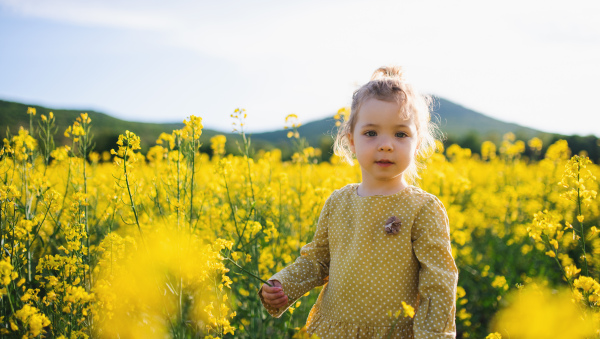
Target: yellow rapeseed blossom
<point>535,144</point>
<point>407,310</point>
<point>571,271</point>
<point>576,179</point>
<point>32,320</point>
<point>6,272</point>
<point>217,144</point>
<point>239,116</point>
<point>168,276</point>
<point>589,290</point>
<point>545,223</point>
<point>488,150</point>
<point>144,291</point>
<point>291,121</point>
<point>537,312</point>
<point>84,119</point>
<point>60,153</point>
<point>23,145</point>
<point>128,143</point>
<point>342,115</point>
<point>500,282</point>
<point>193,127</point>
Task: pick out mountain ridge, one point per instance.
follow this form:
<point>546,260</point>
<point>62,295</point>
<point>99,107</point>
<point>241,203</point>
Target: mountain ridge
<point>459,124</point>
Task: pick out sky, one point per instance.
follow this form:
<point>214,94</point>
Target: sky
<point>534,63</point>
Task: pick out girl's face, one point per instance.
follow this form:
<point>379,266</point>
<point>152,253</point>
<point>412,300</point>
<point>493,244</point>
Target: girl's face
<point>384,143</point>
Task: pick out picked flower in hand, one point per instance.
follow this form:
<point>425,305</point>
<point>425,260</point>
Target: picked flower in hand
<point>392,225</point>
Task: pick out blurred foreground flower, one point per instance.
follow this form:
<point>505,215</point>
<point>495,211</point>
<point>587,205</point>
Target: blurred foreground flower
<point>168,286</point>
<point>537,312</point>
<point>302,334</point>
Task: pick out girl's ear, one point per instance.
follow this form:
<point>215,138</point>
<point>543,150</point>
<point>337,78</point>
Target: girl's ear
<point>351,142</point>
<point>419,142</point>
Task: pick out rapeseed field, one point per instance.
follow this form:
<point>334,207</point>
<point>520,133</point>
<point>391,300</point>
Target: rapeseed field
<point>174,243</point>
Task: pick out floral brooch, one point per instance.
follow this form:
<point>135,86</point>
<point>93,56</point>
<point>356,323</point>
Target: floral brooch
<point>392,225</point>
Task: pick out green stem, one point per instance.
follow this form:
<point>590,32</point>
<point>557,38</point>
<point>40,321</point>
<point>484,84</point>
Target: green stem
<point>85,220</point>
<point>178,179</point>
<point>393,328</point>
<point>247,153</point>
<point>137,221</point>
<point>580,222</point>
<point>27,217</point>
<point>62,208</point>
<point>237,231</point>
<point>31,124</point>
<point>562,269</point>
<point>248,272</point>
<point>192,184</point>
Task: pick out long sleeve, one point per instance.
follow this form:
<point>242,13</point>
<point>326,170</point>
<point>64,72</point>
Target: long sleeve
<point>438,275</point>
<point>311,268</point>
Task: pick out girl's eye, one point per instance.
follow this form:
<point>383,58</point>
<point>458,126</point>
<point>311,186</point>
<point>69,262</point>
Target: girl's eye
<point>370,133</point>
<point>401,135</point>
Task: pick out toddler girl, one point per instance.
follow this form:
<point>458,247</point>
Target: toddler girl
<point>383,241</point>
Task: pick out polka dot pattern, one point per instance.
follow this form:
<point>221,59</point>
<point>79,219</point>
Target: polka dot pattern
<point>367,272</point>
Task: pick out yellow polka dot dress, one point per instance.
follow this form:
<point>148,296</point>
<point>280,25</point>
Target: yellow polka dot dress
<point>368,272</point>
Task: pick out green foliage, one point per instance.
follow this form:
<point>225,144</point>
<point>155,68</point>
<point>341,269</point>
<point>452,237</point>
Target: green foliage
<point>106,128</point>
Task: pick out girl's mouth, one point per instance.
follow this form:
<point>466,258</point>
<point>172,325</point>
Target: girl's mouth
<point>384,163</point>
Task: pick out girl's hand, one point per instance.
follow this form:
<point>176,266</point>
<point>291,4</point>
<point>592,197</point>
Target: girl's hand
<point>274,296</point>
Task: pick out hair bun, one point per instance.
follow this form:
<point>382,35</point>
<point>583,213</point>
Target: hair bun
<point>393,72</point>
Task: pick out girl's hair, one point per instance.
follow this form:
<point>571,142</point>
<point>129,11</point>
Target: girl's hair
<point>388,84</point>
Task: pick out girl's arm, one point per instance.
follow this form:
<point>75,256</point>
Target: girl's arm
<point>438,275</point>
<point>311,268</point>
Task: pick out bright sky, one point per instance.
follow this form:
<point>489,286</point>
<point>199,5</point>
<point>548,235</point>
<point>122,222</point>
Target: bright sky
<point>535,63</point>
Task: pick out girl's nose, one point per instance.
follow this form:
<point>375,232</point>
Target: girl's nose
<point>385,146</point>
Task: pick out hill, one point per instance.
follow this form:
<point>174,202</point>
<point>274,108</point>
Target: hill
<point>460,125</point>
<point>105,128</point>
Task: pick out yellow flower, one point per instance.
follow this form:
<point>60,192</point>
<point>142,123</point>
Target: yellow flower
<point>33,320</point>
<point>6,271</point>
<point>24,144</point>
<point>571,271</point>
<point>587,284</point>
<point>539,313</point>
<point>217,144</point>
<point>193,127</point>
<point>535,144</point>
<point>227,281</point>
<point>544,223</point>
<point>407,310</point>
<point>488,150</point>
<point>128,143</point>
<point>84,119</point>
<point>343,114</point>
<point>500,282</point>
<point>60,153</point>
